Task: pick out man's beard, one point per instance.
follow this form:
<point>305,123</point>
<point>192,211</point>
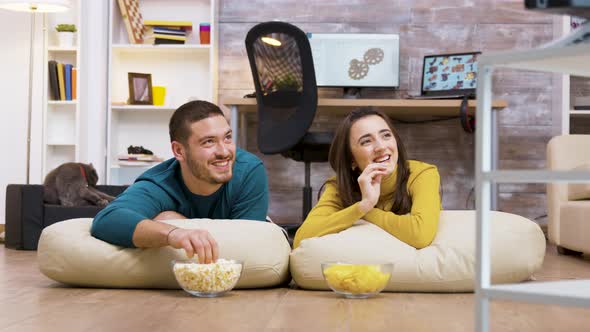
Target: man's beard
<point>200,170</point>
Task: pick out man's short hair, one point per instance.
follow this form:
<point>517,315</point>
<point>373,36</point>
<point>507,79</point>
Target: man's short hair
<point>186,115</point>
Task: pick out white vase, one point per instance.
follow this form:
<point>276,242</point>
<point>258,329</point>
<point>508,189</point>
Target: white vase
<point>65,39</point>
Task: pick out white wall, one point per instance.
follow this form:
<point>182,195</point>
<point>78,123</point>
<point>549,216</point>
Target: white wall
<point>93,84</point>
<point>14,96</point>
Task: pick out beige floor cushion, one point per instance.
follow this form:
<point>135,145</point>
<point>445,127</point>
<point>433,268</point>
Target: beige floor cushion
<point>69,254</point>
<point>447,265</point>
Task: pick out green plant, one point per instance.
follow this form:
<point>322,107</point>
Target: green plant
<point>66,28</point>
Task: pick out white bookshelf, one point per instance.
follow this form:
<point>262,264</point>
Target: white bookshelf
<point>61,118</point>
<point>568,113</point>
<point>188,72</point>
<point>571,60</point>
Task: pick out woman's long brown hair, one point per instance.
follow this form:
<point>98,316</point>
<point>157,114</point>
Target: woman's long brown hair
<point>341,159</point>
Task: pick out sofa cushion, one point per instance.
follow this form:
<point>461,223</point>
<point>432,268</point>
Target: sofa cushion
<point>69,254</point>
<point>447,265</point>
<point>577,191</point>
<point>574,225</point>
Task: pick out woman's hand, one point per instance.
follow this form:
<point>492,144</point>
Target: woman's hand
<point>370,185</point>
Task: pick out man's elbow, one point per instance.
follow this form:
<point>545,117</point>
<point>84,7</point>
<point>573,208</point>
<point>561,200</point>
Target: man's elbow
<point>96,228</point>
<point>100,226</point>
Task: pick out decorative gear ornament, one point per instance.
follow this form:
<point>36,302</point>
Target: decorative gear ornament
<point>373,56</point>
<point>357,69</point>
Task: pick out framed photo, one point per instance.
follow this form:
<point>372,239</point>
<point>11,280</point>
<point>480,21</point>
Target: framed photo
<point>140,89</point>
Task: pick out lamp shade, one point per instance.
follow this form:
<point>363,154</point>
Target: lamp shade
<point>45,6</point>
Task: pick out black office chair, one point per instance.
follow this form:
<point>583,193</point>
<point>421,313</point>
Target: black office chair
<point>287,96</point>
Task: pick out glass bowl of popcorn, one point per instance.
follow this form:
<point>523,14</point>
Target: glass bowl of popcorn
<point>357,281</point>
<point>207,280</point>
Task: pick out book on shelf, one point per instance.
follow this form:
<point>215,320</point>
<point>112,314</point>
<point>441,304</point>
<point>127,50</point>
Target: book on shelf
<point>158,38</point>
<point>61,78</point>
<point>165,31</point>
<point>184,25</point>
<point>170,37</point>
<point>68,80</point>
<point>160,41</point>
<point>74,83</point>
<point>53,82</point>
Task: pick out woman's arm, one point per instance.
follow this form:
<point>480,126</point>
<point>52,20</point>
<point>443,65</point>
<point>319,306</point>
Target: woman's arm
<point>328,216</point>
<point>417,228</point>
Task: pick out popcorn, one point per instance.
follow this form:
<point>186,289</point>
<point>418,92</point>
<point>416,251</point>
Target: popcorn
<point>208,278</point>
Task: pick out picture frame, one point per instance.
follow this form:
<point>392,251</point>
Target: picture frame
<point>140,89</point>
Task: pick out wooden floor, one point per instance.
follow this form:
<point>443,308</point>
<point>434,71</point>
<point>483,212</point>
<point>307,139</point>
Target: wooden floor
<point>31,302</point>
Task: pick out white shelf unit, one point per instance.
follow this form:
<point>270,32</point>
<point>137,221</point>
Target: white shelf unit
<point>187,71</point>
<point>568,113</point>
<point>61,118</point>
<point>571,60</point>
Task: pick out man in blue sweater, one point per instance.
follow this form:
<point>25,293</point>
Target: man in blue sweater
<point>207,178</point>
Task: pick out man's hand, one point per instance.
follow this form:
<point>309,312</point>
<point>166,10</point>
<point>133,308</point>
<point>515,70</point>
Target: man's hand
<point>370,185</point>
<point>195,241</point>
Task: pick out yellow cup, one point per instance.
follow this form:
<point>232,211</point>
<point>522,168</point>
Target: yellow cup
<point>159,93</point>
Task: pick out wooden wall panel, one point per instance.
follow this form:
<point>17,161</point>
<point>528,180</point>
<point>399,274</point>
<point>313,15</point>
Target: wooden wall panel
<point>425,27</point>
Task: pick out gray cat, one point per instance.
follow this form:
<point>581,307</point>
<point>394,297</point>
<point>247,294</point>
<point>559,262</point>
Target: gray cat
<point>74,184</point>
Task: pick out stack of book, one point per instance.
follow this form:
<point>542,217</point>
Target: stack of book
<point>138,159</point>
<point>62,81</point>
<point>166,32</point>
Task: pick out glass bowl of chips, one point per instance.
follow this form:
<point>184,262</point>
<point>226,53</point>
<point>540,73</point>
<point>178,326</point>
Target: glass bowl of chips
<point>357,281</point>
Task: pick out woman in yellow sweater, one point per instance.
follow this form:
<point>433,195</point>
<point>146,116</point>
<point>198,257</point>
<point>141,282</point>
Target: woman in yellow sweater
<point>374,181</point>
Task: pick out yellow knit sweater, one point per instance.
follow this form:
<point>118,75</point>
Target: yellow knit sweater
<point>416,228</point>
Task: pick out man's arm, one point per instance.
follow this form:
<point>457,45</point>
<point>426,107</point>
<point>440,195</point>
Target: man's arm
<point>155,234</point>
<point>252,200</point>
<point>125,222</point>
<point>117,222</point>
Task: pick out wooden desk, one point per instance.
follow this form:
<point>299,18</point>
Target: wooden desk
<point>392,107</point>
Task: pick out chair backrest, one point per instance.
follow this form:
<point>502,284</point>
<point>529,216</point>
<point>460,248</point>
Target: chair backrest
<point>284,78</point>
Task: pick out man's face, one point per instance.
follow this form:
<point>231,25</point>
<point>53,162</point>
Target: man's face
<point>211,151</point>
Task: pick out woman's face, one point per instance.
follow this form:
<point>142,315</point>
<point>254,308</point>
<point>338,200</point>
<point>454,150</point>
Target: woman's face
<point>372,141</point>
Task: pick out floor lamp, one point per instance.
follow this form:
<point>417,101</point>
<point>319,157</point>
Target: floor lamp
<point>39,6</point>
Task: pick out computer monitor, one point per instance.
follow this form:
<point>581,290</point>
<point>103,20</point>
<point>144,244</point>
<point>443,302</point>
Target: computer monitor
<point>355,60</point>
<point>449,74</point>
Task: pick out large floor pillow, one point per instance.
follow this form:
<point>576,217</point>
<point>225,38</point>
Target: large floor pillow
<point>69,254</point>
<point>447,265</point>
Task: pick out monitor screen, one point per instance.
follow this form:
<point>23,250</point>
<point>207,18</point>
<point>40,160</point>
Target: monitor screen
<point>355,60</point>
<point>449,73</point>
